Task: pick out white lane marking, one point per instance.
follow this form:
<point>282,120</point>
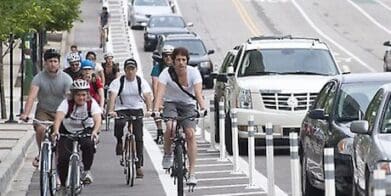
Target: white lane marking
<point>383,4</point>
<point>222,178</point>
<point>213,172</point>
<point>208,153</point>
<point>156,156</point>
<point>221,186</point>
<point>214,165</point>
<point>321,33</point>
<point>207,159</point>
<point>235,194</point>
<point>374,21</point>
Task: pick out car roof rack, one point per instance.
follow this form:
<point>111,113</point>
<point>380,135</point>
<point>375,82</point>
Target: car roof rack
<point>264,37</point>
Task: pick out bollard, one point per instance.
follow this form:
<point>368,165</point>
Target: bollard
<point>270,159</point>
<point>251,152</point>
<point>295,164</point>
<point>212,127</point>
<point>235,148</point>
<point>329,172</point>
<point>202,135</point>
<point>222,131</point>
<point>379,180</point>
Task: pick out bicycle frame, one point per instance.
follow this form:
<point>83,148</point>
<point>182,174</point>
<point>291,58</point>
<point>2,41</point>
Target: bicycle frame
<point>47,173</point>
<point>179,169</point>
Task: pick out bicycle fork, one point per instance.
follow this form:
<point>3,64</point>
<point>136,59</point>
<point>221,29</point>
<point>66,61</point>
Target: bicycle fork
<point>73,182</point>
<point>48,169</point>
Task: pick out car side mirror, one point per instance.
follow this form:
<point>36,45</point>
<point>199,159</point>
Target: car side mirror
<point>387,43</point>
<point>222,78</point>
<point>346,69</point>
<point>359,126</point>
<point>143,24</point>
<point>211,51</point>
<point>318,114</point>
<point>189,24</point>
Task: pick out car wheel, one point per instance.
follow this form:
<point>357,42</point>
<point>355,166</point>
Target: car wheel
<point>307,189</point>
<point>216,115</point>
<point>209,83</point>
<point>368,183</point>
<point>228,133</point>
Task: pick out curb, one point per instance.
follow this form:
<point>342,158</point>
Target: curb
<point>10,166</point>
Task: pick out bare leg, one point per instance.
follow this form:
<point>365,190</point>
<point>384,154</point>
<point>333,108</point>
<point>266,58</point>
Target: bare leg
<point>191,148</point>
<point>167,138</point>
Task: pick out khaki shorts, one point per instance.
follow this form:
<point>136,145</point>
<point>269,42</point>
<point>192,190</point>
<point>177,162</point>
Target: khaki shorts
<point>44,115</point>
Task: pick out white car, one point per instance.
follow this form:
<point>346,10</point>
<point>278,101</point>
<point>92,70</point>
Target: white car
<point>139,11</point>
<point>275,79</point>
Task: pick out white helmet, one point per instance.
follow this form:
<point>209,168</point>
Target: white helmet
<point>73,57</point>
<point>168,49</point>
<point>109,54</point>
<point>80,84</point>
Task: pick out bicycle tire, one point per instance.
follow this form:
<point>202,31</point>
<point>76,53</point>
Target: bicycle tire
<point>127,160</point>
<point>107,120</point>
<point>179,170</point>
<point>74,178</point>
<point>45,171</point>
<point>132,161</point>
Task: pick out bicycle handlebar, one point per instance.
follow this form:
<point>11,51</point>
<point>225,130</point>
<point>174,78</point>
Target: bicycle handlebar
<point>199,114</point>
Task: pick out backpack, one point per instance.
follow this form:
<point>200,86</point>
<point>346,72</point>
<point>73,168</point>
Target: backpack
<point>174,77</point>
<point>121,86</point>
<point>71,104</point>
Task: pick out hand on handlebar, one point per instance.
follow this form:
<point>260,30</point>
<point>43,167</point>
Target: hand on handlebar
<point>95,137</point>
<point>202,113</point>
<point>23,117</point>
<point>112,114</point>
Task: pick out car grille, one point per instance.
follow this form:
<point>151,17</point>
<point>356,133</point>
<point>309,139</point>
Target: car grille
<point>288,101</point>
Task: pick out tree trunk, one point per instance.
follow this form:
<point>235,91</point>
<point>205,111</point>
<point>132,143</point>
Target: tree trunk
<point>2,94</point>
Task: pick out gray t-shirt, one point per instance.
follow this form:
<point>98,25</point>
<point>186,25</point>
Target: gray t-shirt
<point>173,92</point>
<point>52,90</point>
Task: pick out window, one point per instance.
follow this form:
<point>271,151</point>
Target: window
<point>329,100</point>
<point>386,120</point>
<point>322,97</point>
<point>227,62</point>
<point>373,108</point>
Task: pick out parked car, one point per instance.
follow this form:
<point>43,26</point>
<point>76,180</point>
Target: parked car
<point>372,143</point>
<point>163,25</point>
<point>326,125</point>
<point>275,79</point>
<point>139,11</point>
<point>199,55</point>
<point>387,56</point>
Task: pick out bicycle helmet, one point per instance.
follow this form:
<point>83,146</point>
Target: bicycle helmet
<point>80,84</point>
<point>73,57</point>
<point>87,64</point>
<point>109,54</point>
<point>51,53</point>
<point>167,49</point>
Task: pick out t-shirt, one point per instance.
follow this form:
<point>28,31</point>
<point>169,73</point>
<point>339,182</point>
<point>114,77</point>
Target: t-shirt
<point>104,18</point>
<point>52,89</point>
<point>74,75</point>
<point>173,92</point>
<point>156,70</point>
<point>130,97</point>
<point>78,116</point>
<point>94,88</point>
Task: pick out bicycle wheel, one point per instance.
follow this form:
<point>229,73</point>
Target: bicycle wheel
<point>178,167</point>
<point>45,170</point>
<point>132,162</point>
<point>74,176</point>
<point>127,160</point>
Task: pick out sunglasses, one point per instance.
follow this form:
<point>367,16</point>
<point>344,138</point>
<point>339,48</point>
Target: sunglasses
<point>74,64</point>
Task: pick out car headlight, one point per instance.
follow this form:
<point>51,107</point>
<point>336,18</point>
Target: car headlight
<point>384,165</point>
<point>205,64</point>
<point>244,99</point>
<point>345,146</point>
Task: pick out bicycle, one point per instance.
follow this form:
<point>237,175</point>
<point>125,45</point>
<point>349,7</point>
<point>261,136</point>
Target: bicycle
<point>179,169</point>
<point>74,185</point>
<point>104,37</point>
<point>107,119</point>
<point>129,155</point>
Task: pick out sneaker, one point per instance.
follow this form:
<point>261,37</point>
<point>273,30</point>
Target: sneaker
<point>119,148</point>
<point>139,173</point>
<point>192,180</point>
<point>87,177</point>
<point>168,160</point>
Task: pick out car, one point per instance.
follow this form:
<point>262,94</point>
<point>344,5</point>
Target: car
<point>199,55</point>
<point>387,56</point>
<point>326,124</point>
<point>372,143</point>
<point>163,25</point>
<point>275,79</point>
<point>139,11</point>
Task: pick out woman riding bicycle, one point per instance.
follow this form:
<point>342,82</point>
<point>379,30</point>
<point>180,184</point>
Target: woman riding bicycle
<point>80,112</point>
<point>181,87</point>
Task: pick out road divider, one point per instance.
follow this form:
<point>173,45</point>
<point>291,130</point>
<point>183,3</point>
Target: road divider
<point>223,155</point>
<point>379,180</point>
<point>212,127</point>
<point>235,148</point>
<point>251,152</point>
<point>329,175</point>
<point>295,164</point>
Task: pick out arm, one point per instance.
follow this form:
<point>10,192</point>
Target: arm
<point>198,95</point>
<point>102,97</point>
<point>97,123</point>
<point>158,102</point>
<point>111,101</point>
<point>155,81</point>
<point>57,122</point>
<point>148,100</point>
<point>102,76</point>
<point>30,100</point>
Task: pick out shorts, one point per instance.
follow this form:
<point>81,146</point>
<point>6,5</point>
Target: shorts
<point>175,109</point>
<point>44,115</point>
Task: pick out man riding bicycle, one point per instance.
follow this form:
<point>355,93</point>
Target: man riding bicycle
<point>181,88</point>
<point>80,112</point>
<point>104,21</point>
<point>128,94</point>
<point>50,86</point>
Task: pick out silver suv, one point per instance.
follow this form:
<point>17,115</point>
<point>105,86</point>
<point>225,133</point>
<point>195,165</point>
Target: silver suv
<point>275,79</point>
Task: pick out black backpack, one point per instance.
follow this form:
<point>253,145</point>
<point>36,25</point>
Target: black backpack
<point>121,86</point>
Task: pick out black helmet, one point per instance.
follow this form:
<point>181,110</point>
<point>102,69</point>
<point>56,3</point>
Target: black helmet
<point>51,53</point>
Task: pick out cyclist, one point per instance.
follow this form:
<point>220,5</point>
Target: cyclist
<point>156,70</point>
<point>110,69</point>
<point>50,86</point>
<point>181,87</point>
<point>74,66</point>
<point>129,100</point>
<point>104,21</point>
<point>73,49</point>
<point>96,85</point>
<point>80,112</point>
<point>90,55</point>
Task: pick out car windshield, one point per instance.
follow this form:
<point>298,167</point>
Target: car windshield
<point>166,21</point>
<point>150,3</point>
<point>386,123</point>
<point>288,61</point>
<point>354,99</point>
<point>195,47</point>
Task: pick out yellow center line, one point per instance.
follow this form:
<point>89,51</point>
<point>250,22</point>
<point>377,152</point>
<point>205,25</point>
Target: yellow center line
<point>246,18</point>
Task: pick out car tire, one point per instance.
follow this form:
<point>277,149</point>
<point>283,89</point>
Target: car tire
<point>228,133</point>
<point>216,117</point>
<point>209,83</point>
<point>307,188</point>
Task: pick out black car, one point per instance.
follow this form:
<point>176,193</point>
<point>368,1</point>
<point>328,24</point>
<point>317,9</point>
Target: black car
<point>342,100</point>
<point>163,25</point>
<point>199,55</point>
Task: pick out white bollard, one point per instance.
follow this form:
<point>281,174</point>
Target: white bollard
<point>222,131</point>
<point>235,148</point>
<point>251,153</point>
<point>212,126</point>
<point>270,159</point>
<point>295,164</point>
<point>202,135</point>
<point>379,180</point>
<point>329,172</point>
